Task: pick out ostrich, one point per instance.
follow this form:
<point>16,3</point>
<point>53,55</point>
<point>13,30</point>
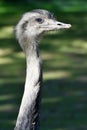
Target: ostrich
<point>28,32</point>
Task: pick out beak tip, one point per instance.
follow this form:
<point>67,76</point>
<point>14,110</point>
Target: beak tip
<point>69,25</point>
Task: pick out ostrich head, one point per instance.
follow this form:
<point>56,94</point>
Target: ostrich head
<point>35,23</point>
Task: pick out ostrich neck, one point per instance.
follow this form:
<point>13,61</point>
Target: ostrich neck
<point>28,118</point>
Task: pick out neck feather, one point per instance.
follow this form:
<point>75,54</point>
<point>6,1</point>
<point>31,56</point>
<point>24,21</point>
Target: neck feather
<point>28,118</point>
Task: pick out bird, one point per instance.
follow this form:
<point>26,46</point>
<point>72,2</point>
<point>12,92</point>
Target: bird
<point>28,31</point>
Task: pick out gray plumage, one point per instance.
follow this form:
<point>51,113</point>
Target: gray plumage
<point>28,31</point>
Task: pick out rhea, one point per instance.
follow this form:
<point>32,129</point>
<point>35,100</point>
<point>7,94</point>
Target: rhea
<point>28,31</point>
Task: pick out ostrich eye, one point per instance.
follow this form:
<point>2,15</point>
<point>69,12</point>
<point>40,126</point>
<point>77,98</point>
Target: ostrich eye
<point>39,20</point>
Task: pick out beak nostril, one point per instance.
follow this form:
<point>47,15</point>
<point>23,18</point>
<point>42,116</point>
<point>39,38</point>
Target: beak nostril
<point>59,24</point>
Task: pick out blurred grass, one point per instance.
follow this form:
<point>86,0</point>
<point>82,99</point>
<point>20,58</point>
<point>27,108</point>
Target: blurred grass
<point>64,97</point>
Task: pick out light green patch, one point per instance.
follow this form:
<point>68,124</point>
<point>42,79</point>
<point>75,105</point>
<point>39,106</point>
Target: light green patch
<point>6,32</point>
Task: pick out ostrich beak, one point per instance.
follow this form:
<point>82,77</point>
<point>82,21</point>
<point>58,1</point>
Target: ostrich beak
<point>61,25</point>
<point>56,25</point>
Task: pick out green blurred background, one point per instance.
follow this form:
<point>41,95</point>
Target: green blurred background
<point>64,97</point>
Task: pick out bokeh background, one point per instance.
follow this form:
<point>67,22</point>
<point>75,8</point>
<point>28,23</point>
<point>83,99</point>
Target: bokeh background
<point>64,97</point>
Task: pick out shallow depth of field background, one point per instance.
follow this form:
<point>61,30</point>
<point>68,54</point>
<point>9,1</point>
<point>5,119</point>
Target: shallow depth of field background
<point>64,54</point>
